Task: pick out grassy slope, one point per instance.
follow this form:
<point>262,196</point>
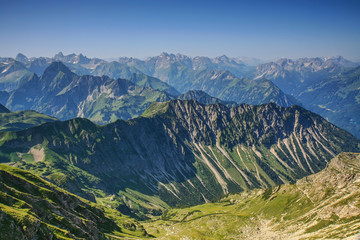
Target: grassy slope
<point>14,121</point>
<point>323,205</point>
<point>34,208</point>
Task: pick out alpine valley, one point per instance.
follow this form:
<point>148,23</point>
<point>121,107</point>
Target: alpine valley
<point>178,147</point>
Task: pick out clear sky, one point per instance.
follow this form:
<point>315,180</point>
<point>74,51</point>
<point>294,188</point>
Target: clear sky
<point>141,28</point>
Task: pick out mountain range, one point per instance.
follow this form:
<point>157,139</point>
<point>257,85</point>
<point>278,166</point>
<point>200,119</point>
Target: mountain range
<point>241,162</point>
<point>318,84</point>
<point>291,81</point>
<point>328,86</point>
<point>294,74</point>
<point>221,77</point>
<point>181,72</point>
<point>159,66</point>
<point>188,153</point>
<point>63,94</point>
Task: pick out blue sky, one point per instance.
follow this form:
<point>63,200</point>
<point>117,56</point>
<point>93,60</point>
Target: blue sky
<point>142,28</point>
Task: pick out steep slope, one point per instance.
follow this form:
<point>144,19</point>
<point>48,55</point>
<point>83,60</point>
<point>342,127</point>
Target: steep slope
<point>38,65</point>
<point>180,152</point>
<point>326,86</point>
<point>204,98</point>
<point>12,73</point>
<point>337,98</point>
<point>63,94</point>
<point>154,83</point>
<point>31,208</point>
<point>21,58</point>
<point>4,96</point>
<point>3,109</point>
<point>321,206</point>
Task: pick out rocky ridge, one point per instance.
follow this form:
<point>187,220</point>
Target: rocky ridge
<point>198,152</point>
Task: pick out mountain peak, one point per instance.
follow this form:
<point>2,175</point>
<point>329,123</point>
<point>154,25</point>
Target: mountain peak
<point>339,57</point>
<point>58,56</point>
<point>167,56</point>
<point>21,58</point>
<point>223,57</point>
<point>174,107</point>
<point>284,61</point>
<point>204,98</point>
<point>81,59</point>
<point>164,54</point>
<point>56,67</point>
<point>72,58</point>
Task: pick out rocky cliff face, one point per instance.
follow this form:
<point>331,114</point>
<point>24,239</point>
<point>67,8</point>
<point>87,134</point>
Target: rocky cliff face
<point>185,152</point>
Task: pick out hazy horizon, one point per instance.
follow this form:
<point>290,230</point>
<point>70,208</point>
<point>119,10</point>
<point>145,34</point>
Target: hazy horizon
<point>116,58</point>
<point>110,29</point>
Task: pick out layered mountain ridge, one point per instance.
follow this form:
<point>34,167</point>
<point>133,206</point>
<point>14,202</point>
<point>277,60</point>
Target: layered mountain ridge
<point>294,75</point>
<point>221,77</point>
<point>310,82</point>
<point>327,86</point>
<point>152,65</point>
<point>183,73</point>
<point>198,152</point>
<point>65,95</point>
